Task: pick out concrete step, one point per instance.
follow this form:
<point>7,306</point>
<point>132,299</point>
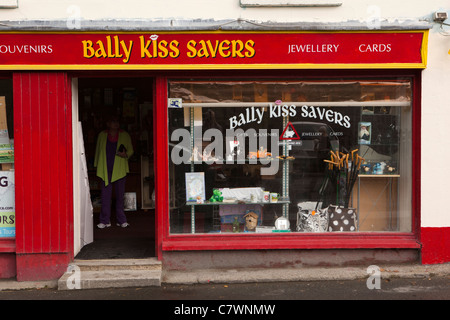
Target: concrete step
<point>118,264</point>
<point>115,273</point>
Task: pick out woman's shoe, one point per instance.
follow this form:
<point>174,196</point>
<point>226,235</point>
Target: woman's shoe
<point>103,226</point>
<point>123,225</point>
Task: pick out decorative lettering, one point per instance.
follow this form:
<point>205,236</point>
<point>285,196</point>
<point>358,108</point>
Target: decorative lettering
<point>224,49</point>
<point>111,48</point>
<point>255,114</point>
<point>152,47</point>
<point>375,47</point>
<point>313,48</point>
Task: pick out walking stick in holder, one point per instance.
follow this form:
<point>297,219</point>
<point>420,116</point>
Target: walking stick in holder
<point>343,173</point>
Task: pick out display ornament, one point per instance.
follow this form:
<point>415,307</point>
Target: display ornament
<point>195,186</point>
<point>251,221</point>
<point>176,103</point>
<point>282,224</point>
<point>364,132</point>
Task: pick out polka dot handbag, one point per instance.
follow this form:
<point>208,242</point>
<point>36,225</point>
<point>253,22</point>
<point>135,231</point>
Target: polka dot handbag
<point>341,219</point>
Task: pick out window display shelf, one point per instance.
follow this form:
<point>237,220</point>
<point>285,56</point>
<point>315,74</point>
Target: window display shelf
<point>378,176</point>
<point>381,144</point>
<point>253,158</point>
<point>209,203</point>
<point>261,161</point>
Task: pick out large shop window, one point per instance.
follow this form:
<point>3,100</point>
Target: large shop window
<point>290,156</point>
<point>7,185</point>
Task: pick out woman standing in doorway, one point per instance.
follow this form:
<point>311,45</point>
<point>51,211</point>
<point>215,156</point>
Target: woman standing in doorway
<point>113,149</point>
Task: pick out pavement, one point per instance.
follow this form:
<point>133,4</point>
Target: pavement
<point>134,243</point>
<point>303,274</point>
<point>409,271</point>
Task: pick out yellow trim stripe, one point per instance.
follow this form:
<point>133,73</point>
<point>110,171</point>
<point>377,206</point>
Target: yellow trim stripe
<point>424,48</point>
<point>217,67</point>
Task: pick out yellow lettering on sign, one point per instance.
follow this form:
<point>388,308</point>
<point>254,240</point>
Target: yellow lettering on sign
<point>249,45</point>
<point>145,53</point>
<point>113,47</point>
<point>211,48</point>
<point>126,50</point>
<point>175,52</point>
<point>223,48</point>
<point>88,51</point>
<point>203,51</point>
<point>100,52</point>
<point>191,47</point>
<point>237,47</point>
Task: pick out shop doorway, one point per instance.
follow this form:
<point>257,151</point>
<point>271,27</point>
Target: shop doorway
<point>131,98</point>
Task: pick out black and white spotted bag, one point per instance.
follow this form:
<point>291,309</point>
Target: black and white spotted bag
<point>341,219</point>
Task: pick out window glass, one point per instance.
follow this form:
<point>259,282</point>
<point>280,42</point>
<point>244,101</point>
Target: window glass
<point>290,156</point>
<point>7,185</point>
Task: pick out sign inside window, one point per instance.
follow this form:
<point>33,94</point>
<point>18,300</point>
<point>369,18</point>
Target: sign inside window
<point>276,111</point>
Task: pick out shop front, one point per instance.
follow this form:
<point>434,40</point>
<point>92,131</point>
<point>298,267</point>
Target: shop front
<point>262,148</point>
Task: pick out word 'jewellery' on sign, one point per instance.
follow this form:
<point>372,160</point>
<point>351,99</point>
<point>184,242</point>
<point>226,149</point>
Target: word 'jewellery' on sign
<point>213,50</point>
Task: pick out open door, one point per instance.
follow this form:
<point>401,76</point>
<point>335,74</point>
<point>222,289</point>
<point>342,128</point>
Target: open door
<point>94,99</point>
<point>83,211</point>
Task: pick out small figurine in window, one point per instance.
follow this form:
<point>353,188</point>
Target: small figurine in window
<point>236,225</point>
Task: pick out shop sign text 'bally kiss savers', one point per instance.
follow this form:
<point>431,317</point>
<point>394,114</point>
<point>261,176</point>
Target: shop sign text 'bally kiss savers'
<point>213,50</point>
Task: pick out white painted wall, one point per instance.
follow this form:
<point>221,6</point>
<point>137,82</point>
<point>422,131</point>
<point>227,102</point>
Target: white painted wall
<point>436,132</point>
<point>223,9</point>
<point>436,78</point>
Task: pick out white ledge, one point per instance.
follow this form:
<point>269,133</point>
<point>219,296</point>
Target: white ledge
<point>9,4</point>
<point>152,25</point>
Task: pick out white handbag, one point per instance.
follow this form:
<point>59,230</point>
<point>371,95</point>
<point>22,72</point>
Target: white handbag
<point>312,220</point>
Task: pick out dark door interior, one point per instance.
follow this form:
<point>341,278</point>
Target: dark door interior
<point>132,99</point>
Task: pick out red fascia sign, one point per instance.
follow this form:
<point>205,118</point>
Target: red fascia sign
<point>230,50</point>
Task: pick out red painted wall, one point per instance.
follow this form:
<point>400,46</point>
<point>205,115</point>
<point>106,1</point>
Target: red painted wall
<point>43,167</point>
<point>7,265</point>
<point>435,245</point>
<point>160,139</point>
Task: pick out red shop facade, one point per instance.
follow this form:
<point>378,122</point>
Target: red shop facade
<point>258,142</point>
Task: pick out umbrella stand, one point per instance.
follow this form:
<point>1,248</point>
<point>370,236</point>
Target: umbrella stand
<point>342,171</point>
